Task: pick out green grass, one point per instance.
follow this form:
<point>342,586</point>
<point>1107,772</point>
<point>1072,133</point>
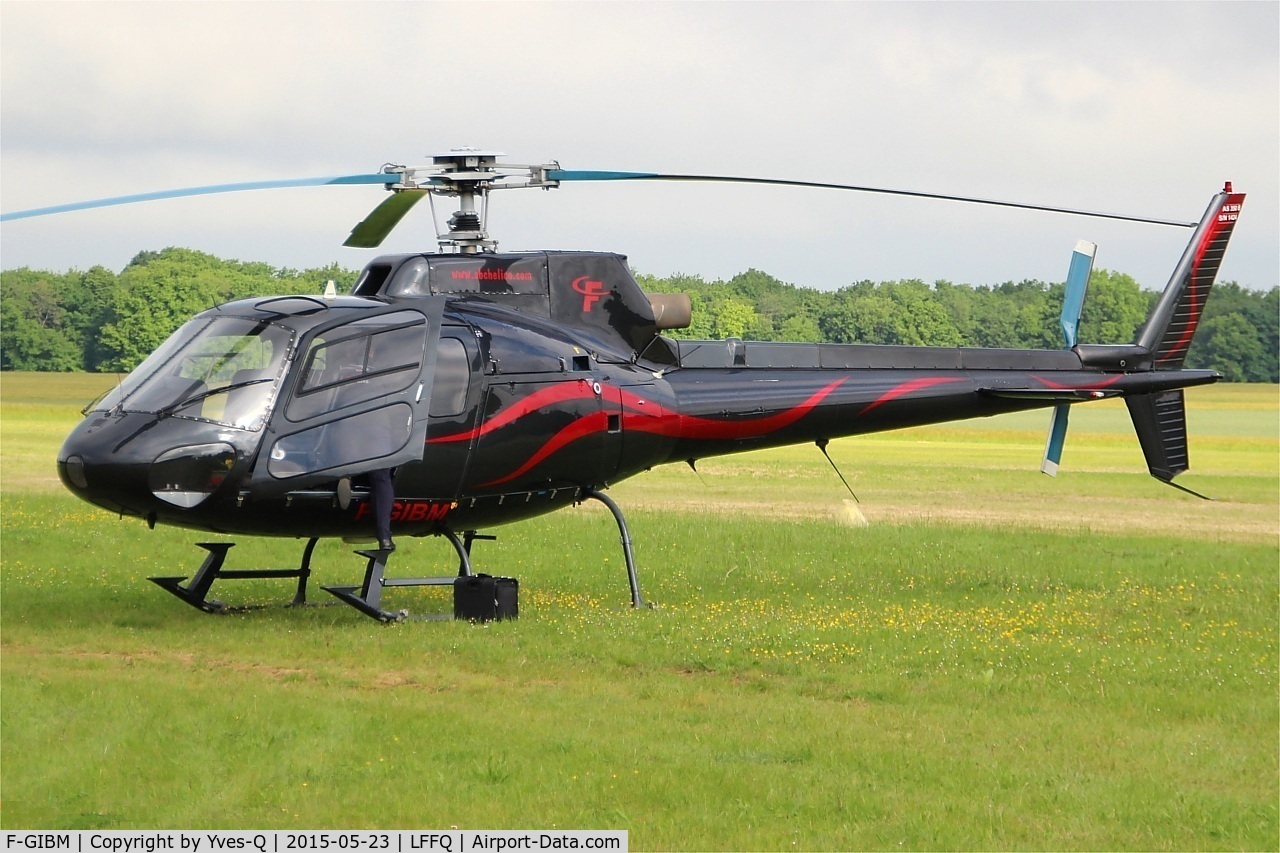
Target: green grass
<point>998,660</point>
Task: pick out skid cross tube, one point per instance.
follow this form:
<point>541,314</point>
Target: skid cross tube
<point>196,593</point>
<point>636,600</point>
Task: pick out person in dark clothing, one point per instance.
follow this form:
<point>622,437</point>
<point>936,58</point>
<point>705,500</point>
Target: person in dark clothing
<point>381,484</point>
<point>382,500</point>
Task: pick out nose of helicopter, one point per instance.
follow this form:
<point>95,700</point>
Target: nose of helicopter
<point>136,466</point>
<point>87,470</point>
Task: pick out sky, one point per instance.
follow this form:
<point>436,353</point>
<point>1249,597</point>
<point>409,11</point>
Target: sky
<point>1133,108</point>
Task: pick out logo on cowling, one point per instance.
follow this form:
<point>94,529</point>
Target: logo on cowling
<point>592,291</point>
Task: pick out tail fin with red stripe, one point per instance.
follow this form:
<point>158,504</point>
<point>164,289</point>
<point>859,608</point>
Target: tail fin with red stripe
<point>1169,330</point>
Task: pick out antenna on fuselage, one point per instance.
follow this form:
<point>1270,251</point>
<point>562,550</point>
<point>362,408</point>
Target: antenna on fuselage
<point>822,445</point>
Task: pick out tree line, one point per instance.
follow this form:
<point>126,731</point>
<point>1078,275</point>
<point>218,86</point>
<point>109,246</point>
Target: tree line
<point>100,321</point>
<point>1239,333</point>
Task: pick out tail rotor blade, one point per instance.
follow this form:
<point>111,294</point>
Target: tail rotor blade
<point>1072,307</point>
<point>1057,438</point>
<point>1077,284</point>
<point>374,228</point>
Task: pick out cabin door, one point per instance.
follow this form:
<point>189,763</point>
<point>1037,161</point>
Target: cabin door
<point>357,400</point>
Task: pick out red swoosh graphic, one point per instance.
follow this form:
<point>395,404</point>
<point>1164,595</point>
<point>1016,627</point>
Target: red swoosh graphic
<point>1058,386</point>
<point>594,422</point>
<point>559,393</point>
<point>658,420</point>
<point>687,426</point>
<point>907,388</point>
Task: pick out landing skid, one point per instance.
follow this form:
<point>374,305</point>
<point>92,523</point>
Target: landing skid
<point>196,593</point>
<point>367,598</point>
<point>588,494</point>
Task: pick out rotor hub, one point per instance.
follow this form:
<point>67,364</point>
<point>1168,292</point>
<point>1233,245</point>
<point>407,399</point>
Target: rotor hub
<point>465,173</point>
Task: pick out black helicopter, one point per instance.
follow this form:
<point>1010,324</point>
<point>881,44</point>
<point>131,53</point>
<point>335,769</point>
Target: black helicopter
<point>505,385</point>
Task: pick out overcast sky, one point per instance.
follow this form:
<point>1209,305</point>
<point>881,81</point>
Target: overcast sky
<point>1136,108</point>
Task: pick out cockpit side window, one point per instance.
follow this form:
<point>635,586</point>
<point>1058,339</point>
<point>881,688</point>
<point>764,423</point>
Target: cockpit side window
<point>453,376</point>
<point>359,362</point>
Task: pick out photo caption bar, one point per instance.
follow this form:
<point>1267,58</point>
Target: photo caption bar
<point>289,841</point>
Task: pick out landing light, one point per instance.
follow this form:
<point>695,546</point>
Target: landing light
<point>186,476</point>
<point>74,466</point>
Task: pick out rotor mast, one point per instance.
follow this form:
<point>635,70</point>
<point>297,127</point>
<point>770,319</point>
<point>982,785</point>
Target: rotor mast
<point>468,173</point>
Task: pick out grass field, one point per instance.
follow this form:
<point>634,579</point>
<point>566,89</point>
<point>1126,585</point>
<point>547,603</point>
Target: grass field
<point>994,659</point>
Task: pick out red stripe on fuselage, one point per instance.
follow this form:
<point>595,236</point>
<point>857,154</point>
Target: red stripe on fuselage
<point>584,426</point>
<point>1058,386</point>
<point>907,388</point>
<point>657,419</point>
<point>675,425</point>
<point>543,398</point>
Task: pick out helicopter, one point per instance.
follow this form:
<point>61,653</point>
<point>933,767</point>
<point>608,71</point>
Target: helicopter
<point>505,385</point>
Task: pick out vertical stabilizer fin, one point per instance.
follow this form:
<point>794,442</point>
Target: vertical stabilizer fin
<point>1168,331</point>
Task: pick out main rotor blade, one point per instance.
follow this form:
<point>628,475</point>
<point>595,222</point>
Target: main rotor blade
<point>379,178</point>
<point>374,228</point>
<point>580,175</point>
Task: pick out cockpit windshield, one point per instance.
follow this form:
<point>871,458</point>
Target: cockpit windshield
<point>226,370</point>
